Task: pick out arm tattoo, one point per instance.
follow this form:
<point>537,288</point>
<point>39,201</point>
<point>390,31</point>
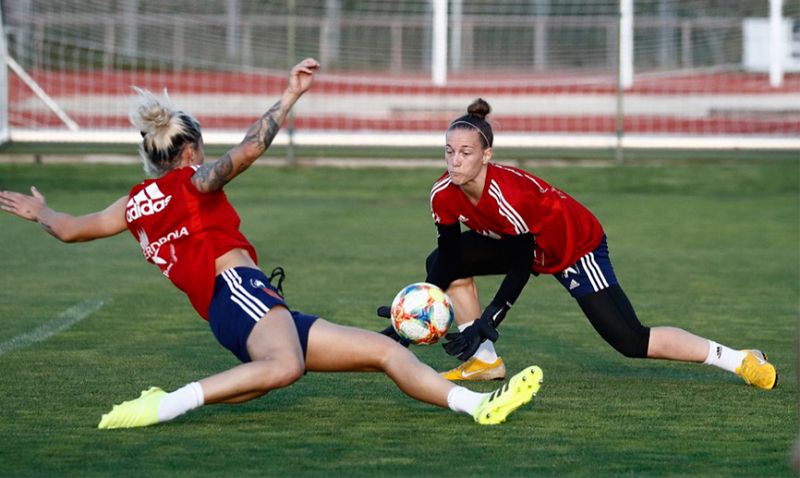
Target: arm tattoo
<point>264,130</point>
<point>213,176</point>
<point>223,168</point>
<point>47,228</point>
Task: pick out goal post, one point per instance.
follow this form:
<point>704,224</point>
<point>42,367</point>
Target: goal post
<point>395,72</point>
<point>4,131</point>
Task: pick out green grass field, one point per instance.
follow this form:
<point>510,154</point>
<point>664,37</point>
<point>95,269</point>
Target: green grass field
<point>714,248</point>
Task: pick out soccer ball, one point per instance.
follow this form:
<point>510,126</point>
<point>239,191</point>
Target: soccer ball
<point>421,313</point>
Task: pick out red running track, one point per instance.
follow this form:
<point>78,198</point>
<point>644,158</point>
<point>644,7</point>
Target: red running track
<point>83,83</point>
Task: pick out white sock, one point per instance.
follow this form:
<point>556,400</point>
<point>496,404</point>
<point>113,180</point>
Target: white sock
<point>463,400</point>
<point>486,352</point>
<point>180,401</point>
<point>724,357</point>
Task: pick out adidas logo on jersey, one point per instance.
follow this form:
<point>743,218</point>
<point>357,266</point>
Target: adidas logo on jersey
<point>146,202</point>
<point>574,285</point>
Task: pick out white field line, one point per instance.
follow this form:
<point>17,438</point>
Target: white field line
<point>65,320</point>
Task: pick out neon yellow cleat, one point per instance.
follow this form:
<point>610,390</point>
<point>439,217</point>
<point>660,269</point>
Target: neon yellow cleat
<point>517,392</point>
<point>476,369</point>
<point>140,412</point>
<point>756,371</point>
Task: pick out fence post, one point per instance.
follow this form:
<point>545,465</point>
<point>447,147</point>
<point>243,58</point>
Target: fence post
<point>439,43</point>
<point>777,41</point>
<point>232,28</point>
<point>4,133</point>
<point>455,35</point>
<point>624,70</point>
<point>130,27</point>
<point>290,56</point>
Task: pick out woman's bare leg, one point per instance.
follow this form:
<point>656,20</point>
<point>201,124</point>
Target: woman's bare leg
<point>277,357</point>
<point>277,362</point>
<point>672,343</point>
<point>466,304</point>
<point>337,348</point>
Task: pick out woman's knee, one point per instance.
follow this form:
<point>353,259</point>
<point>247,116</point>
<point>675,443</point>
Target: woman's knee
<point>613,317</point>
<point>278,372</point>
<point>291,370</point>
<point>634,344</point>
<point>392,354</point>
<point>462,283</point>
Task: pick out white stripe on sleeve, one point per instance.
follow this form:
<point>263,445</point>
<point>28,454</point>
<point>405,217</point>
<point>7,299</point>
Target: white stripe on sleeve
<point>438,187</point>
<point>506,210</point>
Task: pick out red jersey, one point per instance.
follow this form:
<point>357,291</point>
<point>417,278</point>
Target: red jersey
<point>183,231</point>
<point>515,202</point>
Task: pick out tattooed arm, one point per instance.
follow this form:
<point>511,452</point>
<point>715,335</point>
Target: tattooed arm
<point>214,175</point>
<point>65,227</point>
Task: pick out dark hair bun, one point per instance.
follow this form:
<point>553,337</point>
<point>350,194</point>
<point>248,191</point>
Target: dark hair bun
<point>479,108</point>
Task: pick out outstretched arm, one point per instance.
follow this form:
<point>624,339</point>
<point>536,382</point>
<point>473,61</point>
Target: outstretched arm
<point>62,226</point>
<point>214,175</point>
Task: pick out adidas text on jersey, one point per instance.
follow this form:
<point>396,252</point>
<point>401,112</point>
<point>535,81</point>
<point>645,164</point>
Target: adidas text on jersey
<point>146,202</point>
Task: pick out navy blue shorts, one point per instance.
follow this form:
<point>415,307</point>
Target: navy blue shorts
<point>592,273</point>
<point>242,296</point>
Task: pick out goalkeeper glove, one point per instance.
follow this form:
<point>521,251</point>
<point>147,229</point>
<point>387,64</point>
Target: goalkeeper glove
<point>464,344</point>
<point>386,312</point>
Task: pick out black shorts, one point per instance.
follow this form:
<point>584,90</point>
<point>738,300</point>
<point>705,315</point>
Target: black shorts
<point>481,256</point>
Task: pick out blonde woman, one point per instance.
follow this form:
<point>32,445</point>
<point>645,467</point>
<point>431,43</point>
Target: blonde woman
<point>185,226</point>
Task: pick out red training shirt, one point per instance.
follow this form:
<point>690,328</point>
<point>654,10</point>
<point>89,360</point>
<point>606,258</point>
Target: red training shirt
<point>183,231</point>
<point>514,202</point>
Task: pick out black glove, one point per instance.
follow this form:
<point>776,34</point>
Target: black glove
<point>386,312</point>
<point>495,313</point>
<point>466,343</point>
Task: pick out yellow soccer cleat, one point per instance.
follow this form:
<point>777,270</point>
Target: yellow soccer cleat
<point>517,392</point>
<point>140,412</point>
<point>756,371</point>
<point>476,369</point>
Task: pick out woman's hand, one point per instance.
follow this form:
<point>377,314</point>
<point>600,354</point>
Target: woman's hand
<point>66,227</point>
<point>23,205</point>
<point>301,76</point>
<point>213,176</point>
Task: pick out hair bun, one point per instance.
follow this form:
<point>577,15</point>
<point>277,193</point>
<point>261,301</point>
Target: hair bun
<point>479,108</point>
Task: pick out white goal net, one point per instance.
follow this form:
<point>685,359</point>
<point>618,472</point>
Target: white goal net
<point>695,73</point>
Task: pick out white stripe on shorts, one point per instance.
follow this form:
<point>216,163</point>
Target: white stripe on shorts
<point>245,294</point>
<point>246,309</point>
<point>247,301</point>
<point>593,272</point>
<point>243,303</point>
